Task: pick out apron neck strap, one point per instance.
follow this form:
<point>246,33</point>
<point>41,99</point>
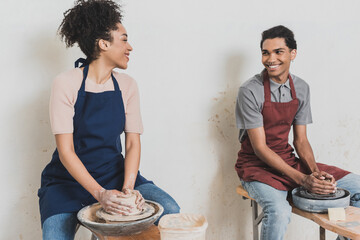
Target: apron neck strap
<point>85,73</point>
<point>293,93</point>
<point>266,81</point>
<point>116,85</point>
<point>81,61</point>
<point>267,90</point>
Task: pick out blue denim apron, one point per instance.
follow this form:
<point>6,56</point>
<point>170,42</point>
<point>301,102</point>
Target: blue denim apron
<point>98,122</point>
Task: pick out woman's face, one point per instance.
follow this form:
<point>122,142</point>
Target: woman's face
<point>118,51</point>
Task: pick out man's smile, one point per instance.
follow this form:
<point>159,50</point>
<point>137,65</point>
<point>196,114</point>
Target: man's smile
<point>273,66</point>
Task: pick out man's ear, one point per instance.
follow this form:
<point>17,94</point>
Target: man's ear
<point>293,54</point>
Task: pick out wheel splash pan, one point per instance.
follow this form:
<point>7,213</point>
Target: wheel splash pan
<point>319,205</point>
<point>87,217</point>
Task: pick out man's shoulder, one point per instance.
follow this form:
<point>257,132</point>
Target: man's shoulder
<point>299,82</point>
<point>254,83</point>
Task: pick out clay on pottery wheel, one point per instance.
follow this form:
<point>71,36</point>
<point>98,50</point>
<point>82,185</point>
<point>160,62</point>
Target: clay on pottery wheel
<point>135,213</point>
<point>339,193</point>
<point>130,199</point>
<point>87,216</point>
<point>307,194</point>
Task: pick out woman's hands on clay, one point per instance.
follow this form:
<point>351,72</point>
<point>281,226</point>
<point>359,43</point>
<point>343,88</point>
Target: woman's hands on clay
<point>112,203</point>
<point>140,201</point>
<point>319,183</point>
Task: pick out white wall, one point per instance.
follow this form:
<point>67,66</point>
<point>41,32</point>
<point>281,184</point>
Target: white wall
<point>189,59</point>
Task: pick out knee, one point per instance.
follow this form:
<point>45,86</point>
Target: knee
<point>278,213</point>
<point>171,207</point>
<point>355,200</point>
<point>60,226</point>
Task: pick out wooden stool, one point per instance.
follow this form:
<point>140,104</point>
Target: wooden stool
<point>152,233</point>
<point>349,228</point>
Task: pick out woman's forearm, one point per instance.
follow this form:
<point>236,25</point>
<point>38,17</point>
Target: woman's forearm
<point>74,166</point>
<point>132,159</point>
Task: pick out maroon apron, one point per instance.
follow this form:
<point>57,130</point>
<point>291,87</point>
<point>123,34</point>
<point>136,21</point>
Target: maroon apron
<point>278,118</point>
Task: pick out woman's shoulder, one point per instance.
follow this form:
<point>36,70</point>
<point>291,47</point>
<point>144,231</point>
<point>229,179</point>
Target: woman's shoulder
<point>69,79</point>
<point>126,82</point>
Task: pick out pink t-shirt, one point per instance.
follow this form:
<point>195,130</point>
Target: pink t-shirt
<point>64,94</point>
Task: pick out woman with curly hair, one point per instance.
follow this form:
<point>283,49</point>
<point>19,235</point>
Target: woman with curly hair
<point>90,107</point>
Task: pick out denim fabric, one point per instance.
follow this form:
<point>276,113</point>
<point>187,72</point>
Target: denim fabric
<point>277,210</point>
<point>153,193</point>
<point>351,182</point>
<point>60,227</point>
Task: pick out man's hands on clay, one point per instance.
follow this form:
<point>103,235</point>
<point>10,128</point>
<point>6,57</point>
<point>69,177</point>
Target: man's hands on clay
<point>324,176</point>
<point>319,183</point>
<point>140,201</point>
<point>112,203</point>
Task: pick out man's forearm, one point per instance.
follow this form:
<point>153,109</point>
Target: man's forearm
<point>261,149</point>
<point>305,153</point>
<point>275,161</point>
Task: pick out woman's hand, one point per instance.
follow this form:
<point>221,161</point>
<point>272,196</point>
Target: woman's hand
<point>140,201</point>
<point>112,202</point>
<point>318,183</point>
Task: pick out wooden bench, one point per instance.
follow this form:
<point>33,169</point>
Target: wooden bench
<point>349,228</point>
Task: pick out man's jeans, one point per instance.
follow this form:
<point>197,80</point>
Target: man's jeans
<point>277,210</point>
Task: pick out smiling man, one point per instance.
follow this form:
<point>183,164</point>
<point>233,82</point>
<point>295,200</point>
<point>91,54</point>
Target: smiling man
<point>268,105</point>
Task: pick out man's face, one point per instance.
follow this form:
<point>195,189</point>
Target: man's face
<point>276,58</point>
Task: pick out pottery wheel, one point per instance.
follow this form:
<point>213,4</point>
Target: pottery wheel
<point>309,195</point>
<point>147,211</point>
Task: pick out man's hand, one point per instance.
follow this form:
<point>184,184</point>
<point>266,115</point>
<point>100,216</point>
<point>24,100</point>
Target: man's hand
<point>319,183</point>
<point>324,176</point>
<point>112,202</point>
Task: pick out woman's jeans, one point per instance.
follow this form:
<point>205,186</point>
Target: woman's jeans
<point>62,226</point>
<point>277,210</point>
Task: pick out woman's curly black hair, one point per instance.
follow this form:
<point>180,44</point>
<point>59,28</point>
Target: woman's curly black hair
<point>88,22</point>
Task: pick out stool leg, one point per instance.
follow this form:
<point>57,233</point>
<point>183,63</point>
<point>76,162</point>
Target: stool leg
<point>255,220</point>
<point>93,237</point>
<point>322,233</point>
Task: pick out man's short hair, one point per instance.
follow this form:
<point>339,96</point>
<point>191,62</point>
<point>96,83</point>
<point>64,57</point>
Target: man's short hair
<point>280,32</point>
